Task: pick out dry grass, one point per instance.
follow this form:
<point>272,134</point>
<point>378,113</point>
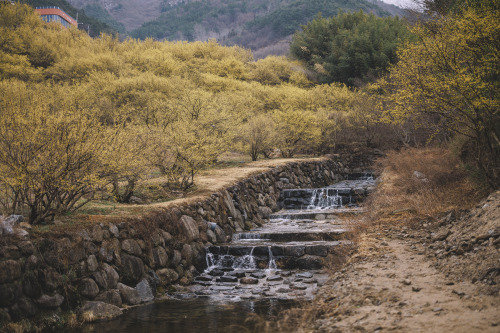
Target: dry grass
<point>234,169</point>
<point>418,184</point>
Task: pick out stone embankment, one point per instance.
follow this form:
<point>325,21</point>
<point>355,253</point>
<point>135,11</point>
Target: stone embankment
<point>102,267</point>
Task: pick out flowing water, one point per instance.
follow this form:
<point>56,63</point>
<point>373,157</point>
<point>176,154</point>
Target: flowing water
<point>261,272</point>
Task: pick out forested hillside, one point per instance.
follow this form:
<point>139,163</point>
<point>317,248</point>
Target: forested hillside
<point>253,24</point>
<point>263,26</point>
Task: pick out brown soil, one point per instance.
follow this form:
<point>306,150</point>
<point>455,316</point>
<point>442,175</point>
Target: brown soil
<point>441,276</point>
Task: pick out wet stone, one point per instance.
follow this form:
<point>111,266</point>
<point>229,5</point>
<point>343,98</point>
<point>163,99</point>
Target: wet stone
<point>249,280</point>
<point>283,290</point>
<point>258,275</point>
<point>216,272</point>
<point>227,279</point>
<point>286,273</point>
<point>311,281</point>
<point>305,275</point>
<point>237,274</point>
<point>275,278</point>
<point>222,288</point>
<point>203,278</point>
<point>298,287</point>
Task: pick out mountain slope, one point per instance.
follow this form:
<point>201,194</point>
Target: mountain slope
<point>259,24</point>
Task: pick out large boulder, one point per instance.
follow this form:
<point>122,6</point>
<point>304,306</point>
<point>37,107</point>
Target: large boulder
<point>111,297</point>
<point>98,311</point>
<point>145,292</point>
<point>107,277</point>
<point>190,228</point>
<point>132,268</point>
<point>50,302</point>
<point>129,295</point>
<point>88,288</point>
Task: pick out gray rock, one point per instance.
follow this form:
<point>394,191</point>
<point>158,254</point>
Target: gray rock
<point>100,311</point>
<point>189,227</point>
<point>129,295</point>
<point>110,297</point>
<point>51,279</point>
<point>107,277</point>
<point>27,307</point>
<point>8,224</point>
<point>113,229</point>
<point>131,247</point>
<point>145,292</point>
<point>97,234</point>
<point>50,302</point>
<point>160,257</point>
<point>92,263</point>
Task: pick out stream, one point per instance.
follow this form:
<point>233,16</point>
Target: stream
<point>261,272</point>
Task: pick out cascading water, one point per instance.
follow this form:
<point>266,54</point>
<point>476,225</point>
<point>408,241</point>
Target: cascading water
<point>272,262</point>
<point>322,199</point>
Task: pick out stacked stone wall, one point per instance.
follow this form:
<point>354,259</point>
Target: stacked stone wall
<point>123,263</point>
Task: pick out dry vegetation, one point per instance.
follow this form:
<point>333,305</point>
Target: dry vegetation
<point>418,184</point>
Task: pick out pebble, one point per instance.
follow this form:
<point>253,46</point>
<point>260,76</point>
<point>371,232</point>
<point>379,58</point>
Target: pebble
<point>406,282</point>
<point>416,289</point>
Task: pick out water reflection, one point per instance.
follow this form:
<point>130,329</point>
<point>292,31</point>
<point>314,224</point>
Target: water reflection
<point>194,316</point>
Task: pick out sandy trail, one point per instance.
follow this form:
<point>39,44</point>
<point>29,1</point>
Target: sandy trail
<point>391,285</point>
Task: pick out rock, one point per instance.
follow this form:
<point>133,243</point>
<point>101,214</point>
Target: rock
<point>167,276</point>
<point>27,307</point>
<point>440,235</point>
<point>10,270</point>
<point>131,247</point>
<point>129,295</point>
<point>228,279</point>
<point>212,238</point>
<point>145,292</point>
<point>189,227</point>
<point>107,277</point>
<point>249,280</point>
<point>406,282</point>
<point>265,212</point>
<point>160,257</point>
<point>216,272</point>
<point>113,229</point>
<point>51,279</point>
<point>135,200</point>
<point>98,311</point>
<point>132,268</point>
<point>110,297</point>
<point>8,224</point>
<point>176,258</point>
<point>92,263</point>
<point>50,302</point>
<point>304,275</point>
<point>89,288</point>
<point>258,275</point>
<point>97,234</point>
<point>416,289</point>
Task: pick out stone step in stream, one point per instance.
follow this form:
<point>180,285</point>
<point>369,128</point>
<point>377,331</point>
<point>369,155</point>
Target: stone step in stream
<point>285,257</point>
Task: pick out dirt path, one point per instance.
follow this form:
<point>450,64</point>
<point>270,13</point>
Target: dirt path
<point>391,285</point>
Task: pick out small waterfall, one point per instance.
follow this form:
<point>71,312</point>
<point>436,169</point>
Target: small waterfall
<point>245,262</point>
<point>245,236</point>
<point>272,262</point>
<point>321,198</point>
